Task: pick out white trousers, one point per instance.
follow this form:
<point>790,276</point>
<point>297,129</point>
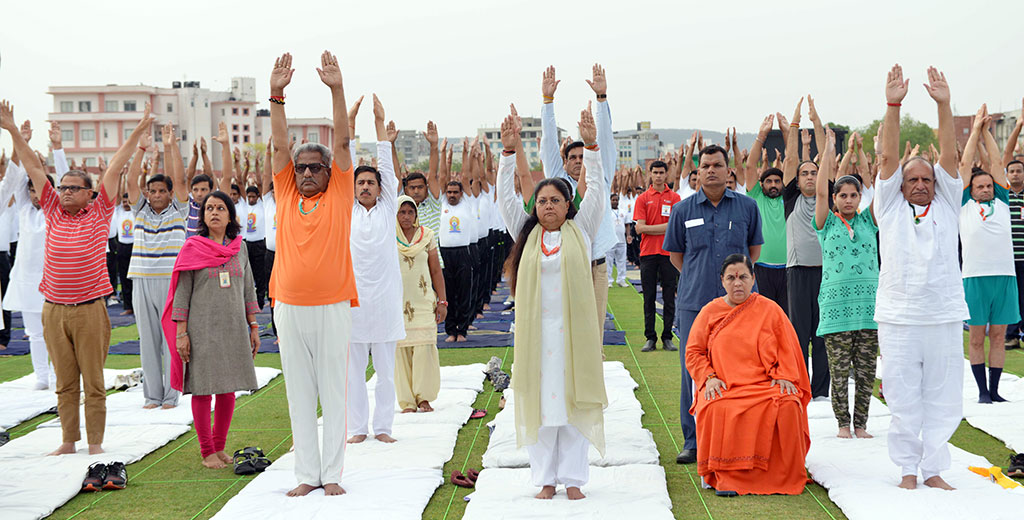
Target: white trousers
<point>922,375</point>
<point>314,358</point>
<point>148,298</point>
<point>37,348</point>
<point>384,390</point>
<point>617,257</point>
<point>560,456</point>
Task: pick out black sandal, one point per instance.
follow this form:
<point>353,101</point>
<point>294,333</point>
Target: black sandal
<point>245,463</point>
<point>261,460</point>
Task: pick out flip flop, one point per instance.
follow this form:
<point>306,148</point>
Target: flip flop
<point>460,480</point>
<point>478,414</point>
<point>472,475</point>
<point>260,461</point>
<point>727,494</point>
<point>244,462</point>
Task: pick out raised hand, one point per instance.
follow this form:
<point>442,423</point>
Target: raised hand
<point>805,137</point>
<point>599,83</point>
<point>26,130</point>
<point>896,86</point>
<point>146,141</point>
<point>102,163</point>
<point>195,149</point>
<point>509,136</point>
<point>937,87</point>
<point>431,134</point>
<point>979,118</point>
<point>169,139</point>
<point>354,111</point>
<point>281,76</point>
<point>392,132</point>
<point>726,141</point>
<point>783,122</point>
<point>796,113</point>
<point>329,71</point>
<point>202,142</point>
<point>549,83</point>
<point>516,120</point>
<point>378,109</point>
<point>222,134</point>
<point>812,112</point>
<point>587,128</point>
<point>55,136</point>
<point>7,117</point>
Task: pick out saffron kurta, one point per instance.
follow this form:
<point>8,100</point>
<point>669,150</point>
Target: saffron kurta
<point>753,439</point>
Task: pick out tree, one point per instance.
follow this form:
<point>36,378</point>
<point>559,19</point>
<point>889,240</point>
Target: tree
<point>837,126</point>
<point>917,132</point>
<point>422,166</point>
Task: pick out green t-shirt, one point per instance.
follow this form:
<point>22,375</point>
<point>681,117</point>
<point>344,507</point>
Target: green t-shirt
<point>773,226</point>
<point>849,274</point>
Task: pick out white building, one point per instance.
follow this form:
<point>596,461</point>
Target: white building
<point>638,147</point>
<point>531,133</point>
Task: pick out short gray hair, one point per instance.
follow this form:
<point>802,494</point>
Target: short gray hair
<point>86,178</point>
<point>325,153</point>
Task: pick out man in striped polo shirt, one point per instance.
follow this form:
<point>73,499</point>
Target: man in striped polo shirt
<point>76,326</point>
<point>1015,180</point>
<point>160,221</point>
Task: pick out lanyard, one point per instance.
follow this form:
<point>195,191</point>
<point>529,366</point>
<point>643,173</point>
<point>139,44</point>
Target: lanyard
<point>543,248</point>
<point>917,218</point>
<point>847,224</point>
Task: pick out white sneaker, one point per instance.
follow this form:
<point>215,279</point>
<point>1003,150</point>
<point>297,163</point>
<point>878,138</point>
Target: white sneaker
<point>111,301</point>
<point>623,284</point>
<point>41,385</point>
<point>609,284</point>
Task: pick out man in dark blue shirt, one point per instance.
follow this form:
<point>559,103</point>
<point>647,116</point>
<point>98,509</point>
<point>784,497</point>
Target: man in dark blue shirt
<point>704,229</point>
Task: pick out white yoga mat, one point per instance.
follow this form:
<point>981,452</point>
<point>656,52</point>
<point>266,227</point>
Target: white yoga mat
<point>1004,421</point>
<point>19,402</point>
<point>125,408</point>
<point>42,483</point>
<point>637,491</point>
<point>626,441</point>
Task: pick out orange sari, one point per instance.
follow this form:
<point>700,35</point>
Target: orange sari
<point>753,439</point>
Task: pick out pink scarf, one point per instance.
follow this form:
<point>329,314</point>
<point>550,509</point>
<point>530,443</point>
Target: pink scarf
<point>197,253</point>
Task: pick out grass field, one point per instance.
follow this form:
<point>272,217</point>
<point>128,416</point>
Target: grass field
<point>170,483</point>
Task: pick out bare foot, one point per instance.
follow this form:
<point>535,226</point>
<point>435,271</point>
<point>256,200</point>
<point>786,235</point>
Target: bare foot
<point>277,341</point>
<point>355,439</point>
<point>383,437</point>
<point>937,482</point>
<point>95,449</point>
<point>449,339</point>
<point>909,482</point>
<point>169,406</point>
<point>128,312</point>
<point>487,306</point>
<point>212,461</point>
<point>149,406</point>
<point>409,410</point>
<point>425,407</point>
<point>64,449</point>
<point>301,491</point>
<point>546,493</point>
<point>224,457</point>
<point>574,493</point>
<point>479,315</point>
<point>461,339</point>
<point>844,433</point>
<point>861,433</point>
<point>333,490</point>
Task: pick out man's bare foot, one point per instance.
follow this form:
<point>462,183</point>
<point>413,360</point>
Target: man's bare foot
<point>425,407</point>
<point>449,339</point>
<point>128,312</point>
<point>937,482</point>
<point>356,439</point>
<point>487,306</point>
<point>333,490</point>
<point>909,482</point>
<point>212,461</point>
<point>383,437</point>
<point>546,493</point>
<point>64,449</point>
<point>461,339</point>
<point>149,406</point>
<point>409,410</point>
<point>844,433</point>
<point>3,347</point>
<point>479,315</point>
<point>277,341</point>
<point>861,433</point>
<point>224,457</point>
<point>301,490</point>
<point>574,493</point>
<point>95,449</point>
<point>169,406</point>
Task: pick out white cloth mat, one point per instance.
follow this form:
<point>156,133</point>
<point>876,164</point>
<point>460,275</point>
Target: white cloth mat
<point>19,402</point>
<point>613,493</point>
<point>1004,421</point>
<point>626,441</point>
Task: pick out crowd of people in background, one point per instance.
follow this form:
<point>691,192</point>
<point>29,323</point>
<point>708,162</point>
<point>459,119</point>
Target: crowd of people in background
<point>806,262</point>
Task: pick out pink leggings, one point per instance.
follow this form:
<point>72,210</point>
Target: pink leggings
<point>211,442</point>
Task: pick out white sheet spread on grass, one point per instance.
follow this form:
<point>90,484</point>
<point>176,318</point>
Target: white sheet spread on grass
<point>19,402</point>
<point>42,483</point>
<point>1004,421</point>
<point>626,441</point>
<point>381,480</point>
<point>125,408</point>
<point>861,479</point>
<point>614,493</point>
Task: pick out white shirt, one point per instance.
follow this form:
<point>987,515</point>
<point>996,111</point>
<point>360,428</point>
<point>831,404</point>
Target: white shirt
<point>270,220</point>
<point>27,273</point>
<point>919,282</point>
<point>985,235</point>
<point>626,204</point>
<point>378,318</point>
<point>867,194</point>
<point>685,190</point>
<point>483,219</point>
<point>458,222</point>
<point>620,226</point>
<point>123,223</point>
<point>252,220</point>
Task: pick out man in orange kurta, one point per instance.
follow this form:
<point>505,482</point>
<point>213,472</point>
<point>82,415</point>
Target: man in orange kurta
<point>753,438</point>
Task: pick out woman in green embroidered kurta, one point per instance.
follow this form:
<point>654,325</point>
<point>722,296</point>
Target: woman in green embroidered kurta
<point>849,280</point>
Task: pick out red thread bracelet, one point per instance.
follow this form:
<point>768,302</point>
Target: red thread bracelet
<point>893,104</point>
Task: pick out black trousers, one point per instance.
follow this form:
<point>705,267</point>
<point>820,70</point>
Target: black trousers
<point>124,258</point>
<point>269,268</point>
<point>112,262</point>
<point>655,269</point>
<point>803,284</point>
<point>1015,330</point>
<point>458,284</point>
<point>771,283</point>
<point>257,250</point>
<point>14,252</point>
<point>5,279</point>
<point>633,248</point>
<point>485,256</point>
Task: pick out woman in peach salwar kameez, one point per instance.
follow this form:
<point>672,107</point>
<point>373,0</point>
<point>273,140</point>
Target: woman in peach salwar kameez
<point>752,391</point>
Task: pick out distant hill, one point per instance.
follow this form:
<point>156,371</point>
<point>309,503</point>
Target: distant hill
<point>677,136</point>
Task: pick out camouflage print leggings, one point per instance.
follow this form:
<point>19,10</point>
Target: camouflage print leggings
<point>857,349</point>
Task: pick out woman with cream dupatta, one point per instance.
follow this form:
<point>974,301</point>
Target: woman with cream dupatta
<point>557,379</point>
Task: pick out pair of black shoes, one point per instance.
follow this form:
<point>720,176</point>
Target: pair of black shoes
<point>652,345</point>
<point>1016,468</point>
<point>105,476</point>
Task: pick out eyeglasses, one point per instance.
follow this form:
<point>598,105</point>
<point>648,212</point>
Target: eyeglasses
<point>216,208</point>
<point>72,189</point>
<point>313,168</point>
<point>554,201</point>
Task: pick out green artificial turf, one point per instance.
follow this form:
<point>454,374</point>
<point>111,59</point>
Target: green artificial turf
<point>170,483</point>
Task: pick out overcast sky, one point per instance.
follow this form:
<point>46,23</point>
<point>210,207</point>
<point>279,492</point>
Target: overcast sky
<point>460,63</point>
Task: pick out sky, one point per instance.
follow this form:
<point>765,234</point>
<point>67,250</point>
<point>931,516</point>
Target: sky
<point>460,63</point>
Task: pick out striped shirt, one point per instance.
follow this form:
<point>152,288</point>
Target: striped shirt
<point>75,265</point>
<point>157,239</point>
<point>192,222</point>
<point>429,213</point>
<point>1017,224</point>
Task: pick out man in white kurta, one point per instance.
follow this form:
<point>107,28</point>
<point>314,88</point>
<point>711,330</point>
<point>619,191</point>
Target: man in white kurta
<point>377,323</point>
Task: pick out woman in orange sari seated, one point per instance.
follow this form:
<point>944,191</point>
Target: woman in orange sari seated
<point>751,392</point>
